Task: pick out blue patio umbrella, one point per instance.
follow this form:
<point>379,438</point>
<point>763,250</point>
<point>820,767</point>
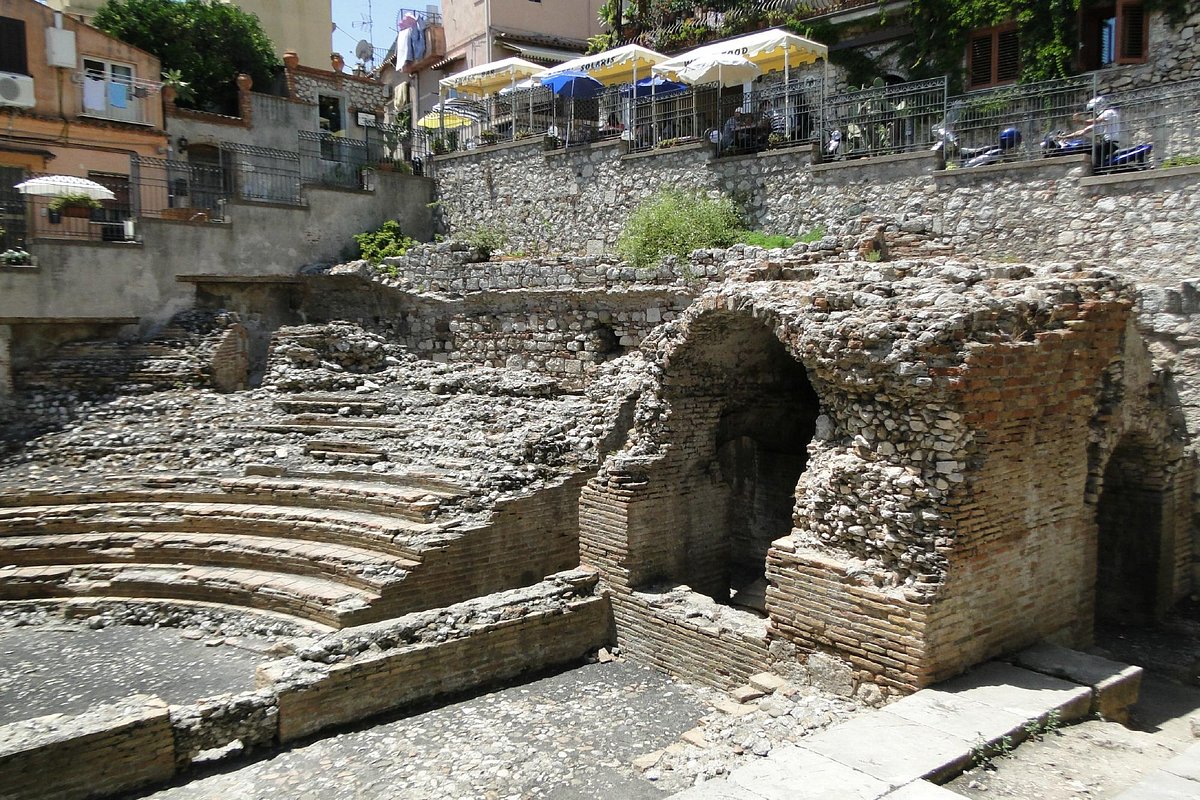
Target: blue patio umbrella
<point>655,85</point>
<point>575,85</point>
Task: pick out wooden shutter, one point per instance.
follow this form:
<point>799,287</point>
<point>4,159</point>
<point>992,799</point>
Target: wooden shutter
<point>993,57</point>
<point>980,57</point>
<point>1132,33</point>
<point>1008,56</point>
<point>12,46</point>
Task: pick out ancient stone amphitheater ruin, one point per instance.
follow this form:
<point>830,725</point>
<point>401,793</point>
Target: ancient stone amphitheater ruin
<point>457,472</point>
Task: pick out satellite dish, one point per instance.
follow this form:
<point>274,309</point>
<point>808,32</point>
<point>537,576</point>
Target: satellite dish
<point>363,51</point>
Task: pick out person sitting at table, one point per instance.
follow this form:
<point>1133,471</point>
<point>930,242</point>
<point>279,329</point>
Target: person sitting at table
<point>612,126</point>
<point>769,121</point>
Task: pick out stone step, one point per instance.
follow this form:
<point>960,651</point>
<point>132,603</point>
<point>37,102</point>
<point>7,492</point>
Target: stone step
<point>323,601</point>
<point>344,447</point>
<point>355,567</point>
<point>429,481</point>
<point>414,503</point>
<point>384,534</point>
<point>331,404</point>
<point>337,457</point>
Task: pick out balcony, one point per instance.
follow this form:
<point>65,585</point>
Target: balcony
<point>116,99</point>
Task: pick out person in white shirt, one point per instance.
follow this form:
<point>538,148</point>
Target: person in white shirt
<point>1104,125</point>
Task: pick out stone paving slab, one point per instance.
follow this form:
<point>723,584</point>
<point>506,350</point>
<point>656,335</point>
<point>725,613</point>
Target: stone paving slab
<point>1178,779</point>
<point>797,773</point>
<point>1019,691</point>
<point>891,748</point>
<point>922,790</point>
<point>931,734</point>
<point>959,716</point>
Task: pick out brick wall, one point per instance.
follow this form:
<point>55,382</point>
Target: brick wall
<point>106,750</point>
<point>373,684</point>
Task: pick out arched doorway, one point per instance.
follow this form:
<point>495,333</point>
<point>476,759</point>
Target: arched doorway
<point>1135,542</point>
<point>744,411</point>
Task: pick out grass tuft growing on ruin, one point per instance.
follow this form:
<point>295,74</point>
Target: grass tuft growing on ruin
<point>674,223</point>
<point>768,240</point>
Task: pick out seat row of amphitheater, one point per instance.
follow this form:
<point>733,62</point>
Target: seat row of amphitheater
<point>335,552</point>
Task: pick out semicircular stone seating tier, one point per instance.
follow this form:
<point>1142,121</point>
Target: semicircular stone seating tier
<point>332,552</point>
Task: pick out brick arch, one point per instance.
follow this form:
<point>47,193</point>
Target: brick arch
<point>742,411</point>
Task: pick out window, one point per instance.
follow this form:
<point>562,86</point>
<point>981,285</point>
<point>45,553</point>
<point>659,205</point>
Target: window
<point>1113,33</point>
<point>330,110</point>
<point>993,57</point>
<point>110,91</point>
<point>12,46</point>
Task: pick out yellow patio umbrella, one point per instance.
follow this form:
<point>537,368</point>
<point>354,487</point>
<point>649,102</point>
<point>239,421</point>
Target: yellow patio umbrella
<point>485,79</point>
<point>436,119</point>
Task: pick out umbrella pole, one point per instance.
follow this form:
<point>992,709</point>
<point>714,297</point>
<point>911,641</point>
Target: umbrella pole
<point>787,93</point>
<point>512,90</point>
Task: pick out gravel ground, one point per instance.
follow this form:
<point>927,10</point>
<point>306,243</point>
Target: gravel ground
<point>571,735</point>
<point>68,667</point>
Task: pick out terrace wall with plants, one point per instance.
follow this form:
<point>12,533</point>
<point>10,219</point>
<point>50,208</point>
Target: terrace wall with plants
<point>1147,224</point>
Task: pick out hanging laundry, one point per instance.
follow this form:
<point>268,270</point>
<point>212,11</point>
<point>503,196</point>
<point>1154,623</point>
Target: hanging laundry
<point>118,95</point>
<point>402,47</point>
<point>93,94</point>
<point>418,44</point>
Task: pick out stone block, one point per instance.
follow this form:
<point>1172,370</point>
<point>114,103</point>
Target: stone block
<point>922,790</point>
<point>1115,686</point>
<point>795,773</point>
<point>744,694</point>
<point>767,682</point>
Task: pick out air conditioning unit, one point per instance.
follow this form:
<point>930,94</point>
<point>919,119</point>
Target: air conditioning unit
<point>16,90</point>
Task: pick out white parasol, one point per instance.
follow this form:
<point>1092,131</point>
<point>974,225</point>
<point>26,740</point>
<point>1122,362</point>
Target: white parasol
<point>60,185</point>
<point>726,69</point>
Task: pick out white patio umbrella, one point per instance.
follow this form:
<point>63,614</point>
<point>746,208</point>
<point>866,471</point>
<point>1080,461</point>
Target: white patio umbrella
<point>59,185</point>
<point>726,69</point>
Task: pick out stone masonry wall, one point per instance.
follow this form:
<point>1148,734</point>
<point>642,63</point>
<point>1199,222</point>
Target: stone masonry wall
<point>1147,224</point>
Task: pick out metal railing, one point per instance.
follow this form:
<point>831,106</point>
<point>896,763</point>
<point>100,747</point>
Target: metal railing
<point>182,190</point>
<point>775,116</point>
<point>1008,123</point>
<point>262,174</point>
<point>327,159</point>
<point>882,120</point>
<point>1158,127</point>
<point>1025,113</point>
<point>120,99</point>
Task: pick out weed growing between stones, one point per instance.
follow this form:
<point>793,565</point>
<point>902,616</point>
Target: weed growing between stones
<point>984,754</point>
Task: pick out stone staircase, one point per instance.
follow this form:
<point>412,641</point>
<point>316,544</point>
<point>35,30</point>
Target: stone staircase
<point>197,349</point>
<point>336,551</point>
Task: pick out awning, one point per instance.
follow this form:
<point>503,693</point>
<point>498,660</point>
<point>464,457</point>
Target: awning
<point>485,79</point>
<point>771,50</point>
<point>613,67</point>
<point>547,54</point>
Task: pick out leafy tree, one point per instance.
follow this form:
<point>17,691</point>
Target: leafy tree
<point>208,43</point>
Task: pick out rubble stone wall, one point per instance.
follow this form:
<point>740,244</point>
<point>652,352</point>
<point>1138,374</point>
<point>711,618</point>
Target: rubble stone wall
<point>313,697</point>
<point>1146,224</point>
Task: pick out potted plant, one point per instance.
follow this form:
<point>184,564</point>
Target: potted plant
<point>776,140</point>
<point>489,136</point>
<point>74,205</point>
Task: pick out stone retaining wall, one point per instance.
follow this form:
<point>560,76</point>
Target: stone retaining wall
<point>1146,223</point>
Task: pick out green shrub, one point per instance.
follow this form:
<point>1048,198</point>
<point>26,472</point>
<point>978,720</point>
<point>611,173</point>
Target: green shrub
<point>486,240</point>
<point>387,240</point>
<point>815,235</point>
<point>74,200</point>
<point>673,223</point>
<point>767,240</point>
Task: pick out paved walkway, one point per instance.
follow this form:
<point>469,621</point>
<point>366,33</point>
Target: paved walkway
<point>896,752</point>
